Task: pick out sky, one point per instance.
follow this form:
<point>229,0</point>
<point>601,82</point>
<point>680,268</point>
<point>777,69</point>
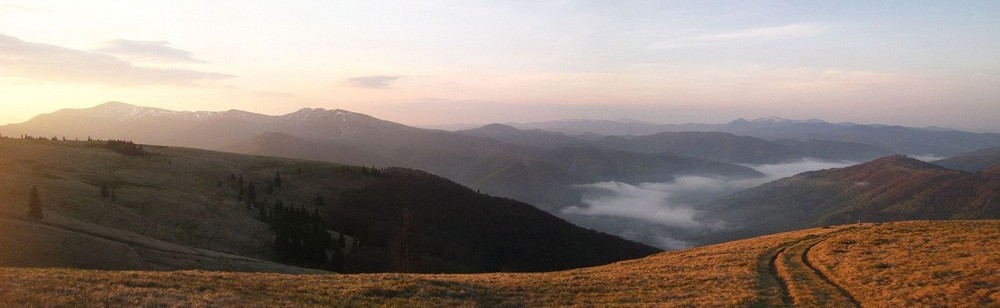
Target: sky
<point>914,63</point>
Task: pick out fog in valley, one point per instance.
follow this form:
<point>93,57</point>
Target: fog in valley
<point>666,214</point>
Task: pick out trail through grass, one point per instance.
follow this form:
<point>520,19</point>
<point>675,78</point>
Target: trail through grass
<point>805,284</point>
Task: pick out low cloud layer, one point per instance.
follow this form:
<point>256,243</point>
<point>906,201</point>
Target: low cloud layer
<point>156,51</point>
<point>372,82</point>
<point>647,202</point>
<point>54,63</point>
<point>928,158</point>
<point>673,204</point>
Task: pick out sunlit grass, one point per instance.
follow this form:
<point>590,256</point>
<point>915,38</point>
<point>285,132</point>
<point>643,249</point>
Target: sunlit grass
<point>907,264</point>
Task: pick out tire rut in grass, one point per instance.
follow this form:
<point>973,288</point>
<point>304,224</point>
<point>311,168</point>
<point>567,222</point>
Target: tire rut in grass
<point>771,291</point>
<point>805,284</point>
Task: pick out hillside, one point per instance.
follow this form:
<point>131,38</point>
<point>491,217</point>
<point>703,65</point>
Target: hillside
<point>897,139</point>
<point>534,138</point>
<point>973,161</point>
<point>893,264</point>
<point>715,146</point>
<point>140,210</point>
<point>892,188</point>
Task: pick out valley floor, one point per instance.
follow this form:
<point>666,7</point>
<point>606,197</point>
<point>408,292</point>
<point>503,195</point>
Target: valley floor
<point>892,264</point>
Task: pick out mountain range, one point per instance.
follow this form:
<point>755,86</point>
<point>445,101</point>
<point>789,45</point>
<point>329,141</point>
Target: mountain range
<point>927,141</point>
<point>540,167</point>
<point>482,162</point>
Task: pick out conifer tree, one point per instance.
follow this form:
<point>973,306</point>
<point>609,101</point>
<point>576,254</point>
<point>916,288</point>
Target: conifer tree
<point>104,191</point>
<point>277,180</point>
<point>251,192</point>
<point>34,204</point>
<point>239,192</point>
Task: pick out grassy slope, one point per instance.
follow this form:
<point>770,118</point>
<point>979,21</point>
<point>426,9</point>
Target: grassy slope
<point>917,264</point>
<point>169,212</point>
<point>928,262</point>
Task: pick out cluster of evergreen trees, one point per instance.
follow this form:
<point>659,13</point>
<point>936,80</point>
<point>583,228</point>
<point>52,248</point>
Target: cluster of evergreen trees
<point>248,192</point>
<point>302,238</point>
<point>30,137</point>
<point>126,147</point>
<point>107,193</point>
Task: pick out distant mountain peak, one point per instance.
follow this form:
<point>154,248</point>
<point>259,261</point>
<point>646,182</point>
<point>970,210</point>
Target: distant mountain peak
<point>122,111</point>
<point>311,110</point>
<point>321,111</point>
<point>498,127</point>
<point>780,120</point>
<point>772,119</point>
<point>308,112</point>
<point>632,121</point>
<point>114,104</point>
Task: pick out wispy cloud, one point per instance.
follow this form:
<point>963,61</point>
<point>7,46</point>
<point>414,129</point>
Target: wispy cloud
<point>373,82</point>
<point>791,31</point>
<point>158,51</point>
<point>59,64</point>
<point>768,33</point>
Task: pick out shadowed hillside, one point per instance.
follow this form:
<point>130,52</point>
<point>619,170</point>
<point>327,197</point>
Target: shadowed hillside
<point>887,189</point>
<point>973,161</point>
<point>139,210</point>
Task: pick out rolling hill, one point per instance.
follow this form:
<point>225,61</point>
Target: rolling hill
<point>892,264</point>
<point>892,188</point>
<point>973,161</point>
<point>180,208</point>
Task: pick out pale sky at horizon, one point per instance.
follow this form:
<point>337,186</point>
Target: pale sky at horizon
<point>915,63</point>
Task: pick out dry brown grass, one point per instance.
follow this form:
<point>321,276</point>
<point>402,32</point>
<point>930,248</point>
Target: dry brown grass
<point>907,264</point>
<point>805,286</point>
<point>898,264</point>
<point>719,275</point>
